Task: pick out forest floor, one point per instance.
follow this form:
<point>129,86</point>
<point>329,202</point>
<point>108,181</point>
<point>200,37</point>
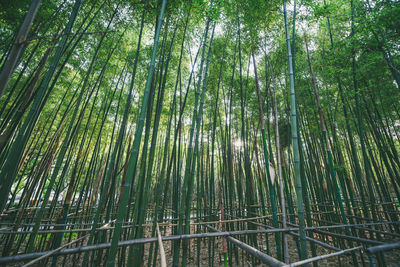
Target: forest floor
<point>392,258</point>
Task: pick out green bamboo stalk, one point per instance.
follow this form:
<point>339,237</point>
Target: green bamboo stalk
<point>325,143</point>
<point>267,162</point>
<point>189,162</point>
<point>135,148</point>
<point>10,166</point>
<point>190,168</point>
<point>160,99</point>
<point>281,181</point>
<point>296,156</point>
<point>17,47</point>
<point>70,136</point>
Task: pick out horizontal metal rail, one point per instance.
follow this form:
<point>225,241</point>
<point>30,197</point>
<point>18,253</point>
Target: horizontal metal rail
<point>384,247</point>
<point>31,256</point>
<point>322,257</point>
<point>265,258</point>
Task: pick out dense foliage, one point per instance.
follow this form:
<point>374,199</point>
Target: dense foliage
<point>138,111</point>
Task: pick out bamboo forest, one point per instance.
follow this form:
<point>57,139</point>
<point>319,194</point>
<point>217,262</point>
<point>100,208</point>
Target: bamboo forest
<point>199,133</point>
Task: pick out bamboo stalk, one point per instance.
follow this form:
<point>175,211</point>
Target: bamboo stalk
<point>160,244</point>
<point>322,257</point>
